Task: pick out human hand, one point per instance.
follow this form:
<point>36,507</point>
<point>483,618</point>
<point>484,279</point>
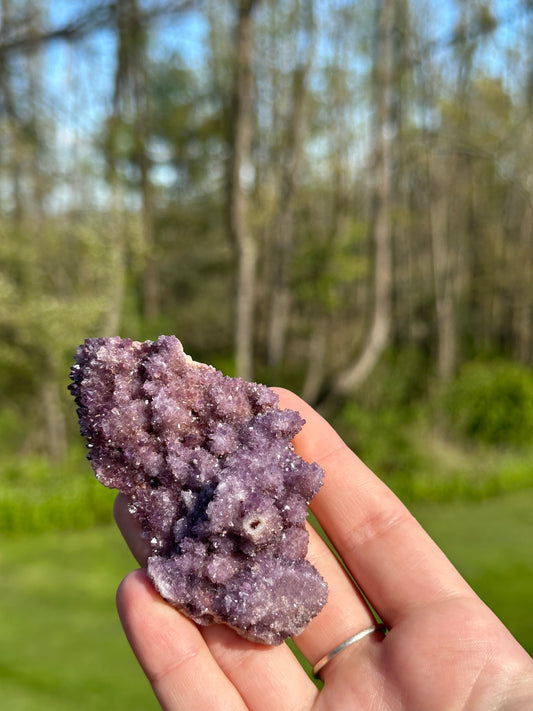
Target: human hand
<point>445,650</point>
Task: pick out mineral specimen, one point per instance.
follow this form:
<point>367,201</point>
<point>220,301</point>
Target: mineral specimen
<point>208,467</point>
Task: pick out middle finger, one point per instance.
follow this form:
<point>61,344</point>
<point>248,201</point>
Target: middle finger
<point>345,612</point>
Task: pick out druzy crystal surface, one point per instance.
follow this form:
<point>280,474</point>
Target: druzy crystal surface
<point>208,467</point>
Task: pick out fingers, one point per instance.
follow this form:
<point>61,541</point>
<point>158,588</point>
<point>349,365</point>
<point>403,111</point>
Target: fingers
<point>345,612</point>
<point>394,561</point>
<point>266,677</point>
<point>175,658</point>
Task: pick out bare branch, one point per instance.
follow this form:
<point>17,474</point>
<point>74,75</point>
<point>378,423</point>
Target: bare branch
<point>96,17</point>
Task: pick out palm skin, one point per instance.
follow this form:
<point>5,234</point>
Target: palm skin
<point>445,650</point>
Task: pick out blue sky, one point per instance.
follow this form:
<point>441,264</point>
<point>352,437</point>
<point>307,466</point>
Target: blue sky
<point>90,64</point>
<point>79,84</point>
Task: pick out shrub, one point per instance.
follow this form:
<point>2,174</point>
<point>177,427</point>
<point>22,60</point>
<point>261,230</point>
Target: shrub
<point>492,402</point>
<point>37,495</point>
<point>380,438</point>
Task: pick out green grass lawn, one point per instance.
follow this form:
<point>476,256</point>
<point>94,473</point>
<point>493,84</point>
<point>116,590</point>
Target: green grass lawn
<point>491,543</point>
<point>61,644</point>
<point>62,647</point>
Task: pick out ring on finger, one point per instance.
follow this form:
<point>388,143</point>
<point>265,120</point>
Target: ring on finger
<point>354,638</point>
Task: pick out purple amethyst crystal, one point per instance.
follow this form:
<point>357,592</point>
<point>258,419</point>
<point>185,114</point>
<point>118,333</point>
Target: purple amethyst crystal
<point>208,467</point>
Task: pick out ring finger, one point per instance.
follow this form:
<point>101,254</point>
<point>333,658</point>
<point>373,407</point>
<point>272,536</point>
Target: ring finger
<point>346,611</point>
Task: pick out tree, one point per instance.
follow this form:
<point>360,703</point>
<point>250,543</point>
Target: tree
<point>240,168</point>
<point>382,227</point>
<point>291,160</point>
<point>131,105</point>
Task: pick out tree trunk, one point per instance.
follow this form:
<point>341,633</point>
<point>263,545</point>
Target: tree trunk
<point>294,149</point>
<point>131,82</point>
<point>239,169</point>
<point>443,276</point>
<point>113,313</point>
<point>150,276</point>
<point>54,419</point>
<point>523,297</point>
<point>353,376</point>
<point>316,365</point>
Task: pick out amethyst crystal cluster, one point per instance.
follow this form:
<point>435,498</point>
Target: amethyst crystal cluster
<point>209,470</point>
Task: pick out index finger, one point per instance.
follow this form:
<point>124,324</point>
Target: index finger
<point>391,557</point>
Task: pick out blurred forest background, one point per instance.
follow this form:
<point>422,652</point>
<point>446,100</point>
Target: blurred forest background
<point>332,196</point>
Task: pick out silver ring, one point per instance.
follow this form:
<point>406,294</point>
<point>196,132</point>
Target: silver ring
<point>355,638</point>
